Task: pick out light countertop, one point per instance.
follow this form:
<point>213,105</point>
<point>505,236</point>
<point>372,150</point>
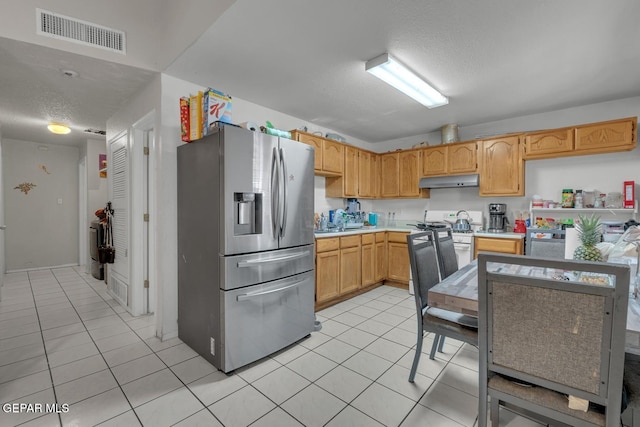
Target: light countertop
<point>506,235</point>
<point>363,230</point>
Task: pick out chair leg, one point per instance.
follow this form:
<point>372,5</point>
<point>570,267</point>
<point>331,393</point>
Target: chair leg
<point>416,358</point>
<point>436,340</point>
<point>441,344</point>
<point>495,415</point>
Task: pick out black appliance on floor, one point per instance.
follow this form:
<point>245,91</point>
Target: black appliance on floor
<point>96,238</point>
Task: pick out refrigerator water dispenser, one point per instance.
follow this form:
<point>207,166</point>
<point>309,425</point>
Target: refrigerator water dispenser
<point>248,212</point>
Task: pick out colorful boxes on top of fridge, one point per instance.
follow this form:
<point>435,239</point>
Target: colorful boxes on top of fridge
<point>200,111</point>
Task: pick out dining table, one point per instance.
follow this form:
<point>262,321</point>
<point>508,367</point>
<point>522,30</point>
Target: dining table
<point>459,293</point>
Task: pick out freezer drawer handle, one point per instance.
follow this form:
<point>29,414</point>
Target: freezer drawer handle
<point>252,262</point>
<point>272,291</point>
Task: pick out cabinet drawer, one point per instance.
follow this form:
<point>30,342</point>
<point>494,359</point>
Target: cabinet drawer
<point>395,236</point>
<point>324,245</point>
<point>368,239</point>
<point>506,246</point>
<point>349,241</point>
<point>380,237</point>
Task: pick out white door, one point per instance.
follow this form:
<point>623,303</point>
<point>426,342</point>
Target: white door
<point>118,183</point>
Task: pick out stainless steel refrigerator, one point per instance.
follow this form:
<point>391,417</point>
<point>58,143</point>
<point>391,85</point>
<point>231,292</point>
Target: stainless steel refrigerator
<point>246,279</point>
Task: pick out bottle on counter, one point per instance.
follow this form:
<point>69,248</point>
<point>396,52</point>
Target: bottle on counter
<point>577,203</point>
<point>323,222</point>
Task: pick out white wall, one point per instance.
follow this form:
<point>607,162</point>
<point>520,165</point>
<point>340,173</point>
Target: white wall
<point>40,231</point>
<point>96,186</point>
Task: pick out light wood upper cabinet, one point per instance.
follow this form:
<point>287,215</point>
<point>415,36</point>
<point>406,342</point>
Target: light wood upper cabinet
<point>389,175</point>
<point>462,158</point>
<point>434,161</point>
<point>548,143</point>
<point>351,174</point>
<point>605,137</point>
<point>450,159</point>
<point>409,173</point>
<point>329,155</point>
<point>501,167</point>
<point>332,157</point>
<point>366,177</point>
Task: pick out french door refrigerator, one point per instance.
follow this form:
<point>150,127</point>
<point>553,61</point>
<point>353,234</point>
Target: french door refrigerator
<point>246,279</point>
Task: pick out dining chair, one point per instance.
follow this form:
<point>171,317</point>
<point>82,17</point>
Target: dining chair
<point>424,265</point>
<point>447,265</point>
<point>543,337</point>
<point>631,417</point>
<point>547,247</point>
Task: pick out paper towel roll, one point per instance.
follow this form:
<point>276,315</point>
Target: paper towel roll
<point>572,242</point>
<point>250,125</point>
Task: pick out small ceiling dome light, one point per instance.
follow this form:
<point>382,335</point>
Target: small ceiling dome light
<point>58,128</point>
<point>389,70</point>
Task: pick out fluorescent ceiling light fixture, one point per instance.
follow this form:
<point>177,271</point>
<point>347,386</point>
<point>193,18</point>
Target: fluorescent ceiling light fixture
<point>58,128</point>
<point>386,68</point>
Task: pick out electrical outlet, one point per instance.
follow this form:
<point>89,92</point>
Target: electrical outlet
<point>213,347</point>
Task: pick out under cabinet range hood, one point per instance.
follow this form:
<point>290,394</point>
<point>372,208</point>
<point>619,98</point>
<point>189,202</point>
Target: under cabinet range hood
<point>452,181</point>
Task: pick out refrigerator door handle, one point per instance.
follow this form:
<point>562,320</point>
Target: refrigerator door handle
<point>275,200</point>
<point>245,297</point>
<point>285,185</point>
<point>253,262</point>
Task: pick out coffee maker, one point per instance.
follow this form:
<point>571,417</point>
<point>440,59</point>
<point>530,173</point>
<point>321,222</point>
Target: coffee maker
<point>497,218</point>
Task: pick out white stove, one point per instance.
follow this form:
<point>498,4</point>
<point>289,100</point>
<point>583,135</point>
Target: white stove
<point>463,241</point>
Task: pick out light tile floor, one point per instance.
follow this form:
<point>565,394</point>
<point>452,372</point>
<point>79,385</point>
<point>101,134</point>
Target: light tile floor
<point>64,339</point>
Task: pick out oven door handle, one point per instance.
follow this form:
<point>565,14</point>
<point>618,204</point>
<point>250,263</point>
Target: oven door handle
<point>245,297</point>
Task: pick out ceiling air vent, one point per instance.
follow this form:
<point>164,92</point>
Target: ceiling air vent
<point>95,131</point>
<point>66,28</point>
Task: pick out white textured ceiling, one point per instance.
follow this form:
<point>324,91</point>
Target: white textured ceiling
<point>495,59</point>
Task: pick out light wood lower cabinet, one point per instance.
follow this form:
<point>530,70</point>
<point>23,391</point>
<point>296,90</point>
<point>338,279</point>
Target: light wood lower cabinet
<point>368,254</point>
<point>350,274</point>
<point>380,267</point>
<point>397,257</point>
<point>346,264</point>
<point>327,269</point>
<point>502,245</point>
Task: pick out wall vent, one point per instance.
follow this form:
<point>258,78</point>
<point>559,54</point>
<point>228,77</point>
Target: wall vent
<point>75,30</point>
<point>119,290</point>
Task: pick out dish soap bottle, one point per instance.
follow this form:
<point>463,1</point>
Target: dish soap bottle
<point>323,222</point>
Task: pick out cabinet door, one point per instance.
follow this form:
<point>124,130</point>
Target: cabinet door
<point>434,161</point>
<point>501,167</point>
<point>316,143</point>
<point>389,186</point>
<point>398,262</point>
<point>409,173</point>
<point>327,275</point>
<point>501,245</point>
<point>606,136</point>
<point>350,176</point>
<point>381,260</point>
<point>332,157</point>
<point>462,158</point>
<point>349,276</point>
<point>375,175</point>
<point>365,184</point>
<point>548,144</point>
<point>368,263</point>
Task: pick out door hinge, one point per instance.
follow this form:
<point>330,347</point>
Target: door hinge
<point>146,284</point>
<point>146,217</point>
<point>145,151</point>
